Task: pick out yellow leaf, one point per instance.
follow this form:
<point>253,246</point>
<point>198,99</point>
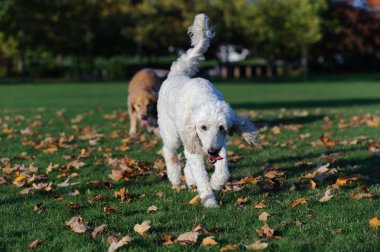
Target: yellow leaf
<point>374,222</point>
<point>209,241</point>
<point>20,177</point>
<point>195,201</point>
<point>229,247</point>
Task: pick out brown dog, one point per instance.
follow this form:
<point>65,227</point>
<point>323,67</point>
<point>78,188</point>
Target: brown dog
<point>142,98</point>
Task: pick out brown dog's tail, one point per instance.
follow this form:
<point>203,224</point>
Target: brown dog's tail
<point>200,34</point>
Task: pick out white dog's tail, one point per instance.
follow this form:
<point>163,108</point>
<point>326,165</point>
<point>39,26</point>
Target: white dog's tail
<point>200,34</point>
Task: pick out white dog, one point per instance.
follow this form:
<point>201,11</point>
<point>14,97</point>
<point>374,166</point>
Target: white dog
<point>193,111</point>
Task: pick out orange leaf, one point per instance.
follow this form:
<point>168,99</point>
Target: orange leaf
<point>374,222</point>
<point>229,247</point>
<point>209,241</point>
<point>195,201</point>
<point>299,201</point>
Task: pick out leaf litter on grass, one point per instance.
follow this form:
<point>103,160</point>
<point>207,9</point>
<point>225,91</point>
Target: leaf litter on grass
<point>32,179</point>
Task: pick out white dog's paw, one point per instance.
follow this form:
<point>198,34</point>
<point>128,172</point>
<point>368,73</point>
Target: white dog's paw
<point>210,202</point>
<point>216,185</point>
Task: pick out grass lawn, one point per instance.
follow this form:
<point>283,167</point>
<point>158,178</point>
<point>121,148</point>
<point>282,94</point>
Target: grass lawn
<point>81,130</point>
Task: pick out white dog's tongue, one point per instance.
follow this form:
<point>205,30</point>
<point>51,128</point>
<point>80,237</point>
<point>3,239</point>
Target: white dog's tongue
<point>213,159</point>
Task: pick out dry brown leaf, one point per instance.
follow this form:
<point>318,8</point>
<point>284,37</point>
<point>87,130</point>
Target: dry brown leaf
<point>327,196</point>
<point>38,207</point>
<point>229,247</point>
<point>195,201</point>
<point>143,228</point>
<point>273,174</point>
<point>74,193</point>
<point>264,216</point>
<point>260,205</point>
<point>257,245</point>
<point>66,183</point>
<point>266,231</point>
<point>200,227</point>
<point>109,210</point>
<point>116,175</point>
<point>359,196</point>
<point>152,209</point>
<point>245,180</point>
<point>34,244</point>
<point>98,230</point>
<point>167,240</point>
<point>75,205</point>
<point>124,241</point>
<point>123,194</point>
<point>188,238</point>
<point>159,164</point>
<point>241,202</point>
<point>374,222</point>
<point>299,201</point>
<point>209,241</point>
<point>76,224</point>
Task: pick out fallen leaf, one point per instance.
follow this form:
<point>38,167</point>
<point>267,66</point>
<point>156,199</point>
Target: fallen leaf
<point>76,224</point>
<point>337,230</point>
<point>359,196</point>
<point>299,201</point>
<point>264,216</point>
<point>187,238</point>
<point>167,240</point>
<point>98,230</point>
<point>123,194</point>
<point>260,205</point>
<point>143,228</point>
<point>241,202</point>
<point>34,244</point>
<point>152,209</point>
<point>245,180</point>
<point>374,222</point>
<point>229,247</point>
<point>273,174</point>
<point>159,164</point>
<point>327,196</point>
<point>195,201</point>
<point>257,245</point>
<point>75,205</point>
<point>38,207</point>
<point>266,231</point>
<point>209,241</point>
<point>109,210</point>
<point>124,241</point>
<point>66,183</point>
<point>200,227</point>
<point>74,193</point>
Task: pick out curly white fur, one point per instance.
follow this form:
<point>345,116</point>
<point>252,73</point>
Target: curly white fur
<point>193,112</point>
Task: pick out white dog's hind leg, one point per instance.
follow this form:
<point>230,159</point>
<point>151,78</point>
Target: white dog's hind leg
<point>221,173</point>
<point>201,179</point>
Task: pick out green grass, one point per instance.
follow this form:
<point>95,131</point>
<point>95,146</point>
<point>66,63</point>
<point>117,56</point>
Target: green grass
<point>267,104</point>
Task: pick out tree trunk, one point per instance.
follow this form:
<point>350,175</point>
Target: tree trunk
<point>304,65</point>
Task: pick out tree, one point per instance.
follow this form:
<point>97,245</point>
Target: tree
<point>285,28</point>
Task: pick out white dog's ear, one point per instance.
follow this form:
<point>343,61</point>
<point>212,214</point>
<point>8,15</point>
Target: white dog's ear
<point>190,138</point>
<point>243,126</point>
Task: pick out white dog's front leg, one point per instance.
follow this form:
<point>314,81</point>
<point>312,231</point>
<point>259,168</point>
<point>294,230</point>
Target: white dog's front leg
<point>221,173</point>
<point>189,176</point>
<point>172,166</point>
<point>200,176</point>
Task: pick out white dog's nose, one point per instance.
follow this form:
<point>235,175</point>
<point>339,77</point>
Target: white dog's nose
<point>212,152</point>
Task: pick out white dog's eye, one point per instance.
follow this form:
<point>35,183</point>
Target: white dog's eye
<point>221,128</point>
<point>203,127</point>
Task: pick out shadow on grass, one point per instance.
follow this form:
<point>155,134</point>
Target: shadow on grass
<point>288,120</point>
<point>306,104</point>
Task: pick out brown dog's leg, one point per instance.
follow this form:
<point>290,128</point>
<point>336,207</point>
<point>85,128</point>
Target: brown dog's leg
<point>133,121</point>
